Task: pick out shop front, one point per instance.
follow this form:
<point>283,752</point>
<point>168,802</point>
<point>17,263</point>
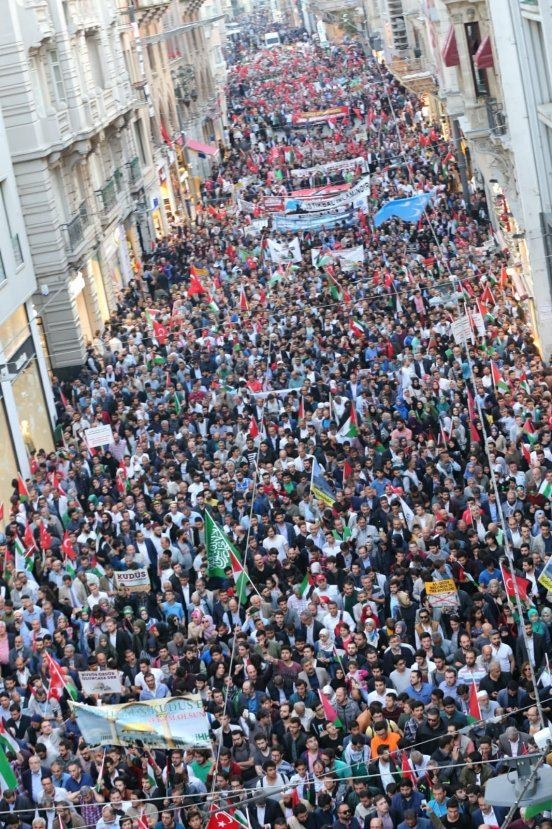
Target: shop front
<point>25,401</point>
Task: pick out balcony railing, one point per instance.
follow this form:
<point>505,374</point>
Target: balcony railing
<point>135,170</point>
<point>118,179</point>
<point>108,194</point>
<point>75,228</point>
<point>497,119</point>
<point>17,252</point>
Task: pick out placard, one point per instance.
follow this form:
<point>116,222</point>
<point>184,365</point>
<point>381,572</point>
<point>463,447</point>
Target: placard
<point>98,436</point>
<point>136,580</point>
<point>100,682</point>
<point>442,593</point>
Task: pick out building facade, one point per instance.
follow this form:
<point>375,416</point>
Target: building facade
<point>68,106</point>
<point>461,56</point>
<point>27,408</point>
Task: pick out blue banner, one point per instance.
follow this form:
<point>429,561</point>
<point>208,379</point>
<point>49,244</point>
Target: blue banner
<point>409,210</point>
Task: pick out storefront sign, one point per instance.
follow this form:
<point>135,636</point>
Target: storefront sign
<point>100,682</point>
<point>442,593</point>
<point>98,436</point>
<point>137,581</point>
<point>175,722</point>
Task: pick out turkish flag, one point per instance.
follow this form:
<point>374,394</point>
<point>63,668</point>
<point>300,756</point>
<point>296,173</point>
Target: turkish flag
<point>222,820</point>
<point>523,585</point>
<point>160,332</point>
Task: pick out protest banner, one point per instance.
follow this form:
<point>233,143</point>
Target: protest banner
<point>545,577</point>
<point>136,580</point>
<point>442,593</point>
<point>273,204</point>
<point>461,329</point>
<point>98,436</point>
<point>100,682</point>
<point>317,193</point>
<point>312,221</point>
<point>173,722</point>
<point>347,257</point>
<point>330,167</point>
<point>358,191</point>
<point>318,116</point>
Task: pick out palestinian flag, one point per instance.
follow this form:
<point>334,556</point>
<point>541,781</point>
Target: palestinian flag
<point>545,489</point>
<point>24,559</point>
<point>8,744</point>
<point>176,404</point>
<point>529,431</point>
<point>22,490</point>
<point>8,780</point>
<point>305,586</point>
<point>350,427</point>
<point>500,383</point>
<point>356,329</point>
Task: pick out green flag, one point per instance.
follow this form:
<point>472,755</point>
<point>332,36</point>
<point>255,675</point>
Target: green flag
<point>221,554</point>
<point>8,780</point>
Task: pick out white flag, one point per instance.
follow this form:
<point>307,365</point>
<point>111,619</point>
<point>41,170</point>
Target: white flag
<point>284,253</point>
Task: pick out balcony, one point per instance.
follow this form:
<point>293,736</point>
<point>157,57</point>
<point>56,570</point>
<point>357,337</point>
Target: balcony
<point>134,173</point>
<point>17,252</point>
<point>76,227</point>
<point>149,10</point>
<point>108,195</point>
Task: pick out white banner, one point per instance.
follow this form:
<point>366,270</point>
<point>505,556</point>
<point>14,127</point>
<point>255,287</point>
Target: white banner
<point>360,190</point>
<point>98,436</point>
<point>137,580</point>
<point>284,253</point>
<point>174,722</point>
<point>331,167</point>
<point>347,257</point>
<point>100,682</point>
<point>461,330</point>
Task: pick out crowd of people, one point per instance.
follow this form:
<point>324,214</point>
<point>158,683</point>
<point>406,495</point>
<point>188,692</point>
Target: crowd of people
<point>322,413</point>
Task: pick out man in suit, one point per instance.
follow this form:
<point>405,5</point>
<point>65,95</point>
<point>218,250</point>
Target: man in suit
<point>18,724</point>
<point>513,743</point>
<point>18,804</point>
<point>487,815</point>
<point>537,645</point>
<point>315,677</point>
<point>31,779</point>
<point>73,592</point>
<point>309,628</point>
<point>262,812</point>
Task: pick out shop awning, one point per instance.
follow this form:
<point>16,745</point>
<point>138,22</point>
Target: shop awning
<point>483,58</point>
<point>202,149</point>
<point>450,49</point>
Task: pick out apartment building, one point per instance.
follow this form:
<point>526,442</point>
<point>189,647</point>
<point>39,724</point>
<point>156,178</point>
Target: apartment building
<point>26,404</point>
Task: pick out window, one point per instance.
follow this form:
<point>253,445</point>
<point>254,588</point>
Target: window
<point>539,68</point>
<point>58,86</point>
<point>16,244</point>
<point>473,38</point>
<point>95,61</point>
<point>139,134</point>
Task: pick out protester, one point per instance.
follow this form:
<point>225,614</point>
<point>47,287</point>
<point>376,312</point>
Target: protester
<point>294,385</point>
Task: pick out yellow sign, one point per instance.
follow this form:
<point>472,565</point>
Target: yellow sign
<point>444,586</point>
